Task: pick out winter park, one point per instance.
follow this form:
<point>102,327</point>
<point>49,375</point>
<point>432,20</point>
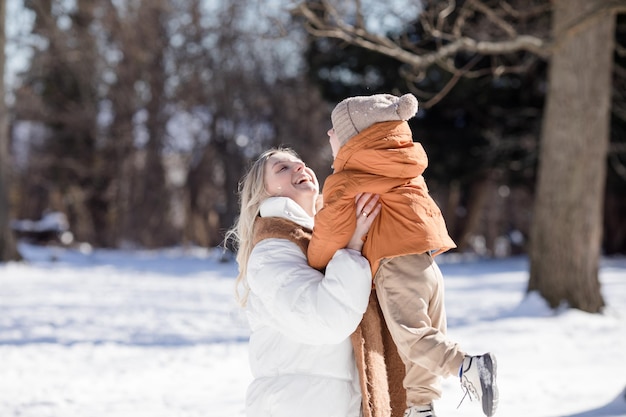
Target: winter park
<point>157,333</point>
<point>138,165</point>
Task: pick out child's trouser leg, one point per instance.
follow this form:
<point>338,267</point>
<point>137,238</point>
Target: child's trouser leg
<point>411,296</point>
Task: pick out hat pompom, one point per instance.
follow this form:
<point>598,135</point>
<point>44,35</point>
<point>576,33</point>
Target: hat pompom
<point>407,106</point>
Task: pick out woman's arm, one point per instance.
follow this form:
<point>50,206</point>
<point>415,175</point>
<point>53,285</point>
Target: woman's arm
<point>303,303</point>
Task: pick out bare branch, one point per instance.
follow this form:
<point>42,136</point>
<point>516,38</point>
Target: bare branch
<point>441,16</point>
<point>456,76</point>
<point>354,36</point>
<point>492,16</point>
<point>525,14</point>
<point>457,43</point>
<point>464,14</point>
<point>385,46</point>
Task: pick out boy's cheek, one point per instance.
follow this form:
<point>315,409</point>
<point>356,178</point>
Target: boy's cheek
<point>319,203</point>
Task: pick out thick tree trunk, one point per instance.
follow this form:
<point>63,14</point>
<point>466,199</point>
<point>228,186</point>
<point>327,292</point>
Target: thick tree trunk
<point>8,250</point>
<point>567,221</point>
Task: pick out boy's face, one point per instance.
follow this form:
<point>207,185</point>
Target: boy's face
<point>334,142</point>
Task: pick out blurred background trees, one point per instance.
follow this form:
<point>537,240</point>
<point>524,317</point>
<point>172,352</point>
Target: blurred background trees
<point>136,119</point>
<point>8,250</point>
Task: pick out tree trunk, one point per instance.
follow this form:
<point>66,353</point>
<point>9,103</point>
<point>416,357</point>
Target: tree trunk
<point>475,211</point>
<point>8,251</point>
<point>152,226</point>
<point>567,224</point>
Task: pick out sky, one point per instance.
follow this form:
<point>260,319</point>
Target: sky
<point>18,23</point>
<point>95,333</point>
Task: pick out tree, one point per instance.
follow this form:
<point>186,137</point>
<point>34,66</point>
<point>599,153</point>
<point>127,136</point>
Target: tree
<point>150,185</point>
<point>567,224</point>
<point>8,249</point>
<point>564,266</point>
<point>59,93</point>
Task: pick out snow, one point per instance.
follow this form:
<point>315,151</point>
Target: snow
<point>157,333</point>
<point>50,221</point>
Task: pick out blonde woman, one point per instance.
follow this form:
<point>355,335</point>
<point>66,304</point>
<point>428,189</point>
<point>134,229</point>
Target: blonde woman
<point>301,319</point>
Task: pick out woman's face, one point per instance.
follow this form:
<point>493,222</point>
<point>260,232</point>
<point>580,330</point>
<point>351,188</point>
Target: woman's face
<point>287,176</point>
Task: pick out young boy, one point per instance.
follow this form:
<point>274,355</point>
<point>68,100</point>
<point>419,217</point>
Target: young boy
<point>374,152</point>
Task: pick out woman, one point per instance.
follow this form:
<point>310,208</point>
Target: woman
<point>301,356</point>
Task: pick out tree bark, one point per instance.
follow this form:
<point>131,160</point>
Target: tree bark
<point>567,225</point>
<point>8,250</point>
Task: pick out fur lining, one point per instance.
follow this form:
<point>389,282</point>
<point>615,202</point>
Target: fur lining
<point>277,227</point>
<point>381,371</point>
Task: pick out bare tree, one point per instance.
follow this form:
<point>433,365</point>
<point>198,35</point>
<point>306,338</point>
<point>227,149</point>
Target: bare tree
<point>59,92</point>
<point>150,192</point>
<point>118,151</point>
<point>567,222</point>
<point>8,250</point>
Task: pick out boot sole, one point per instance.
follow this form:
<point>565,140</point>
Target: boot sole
<point>489,387</point>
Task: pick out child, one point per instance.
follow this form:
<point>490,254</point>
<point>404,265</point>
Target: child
<point>374,152</point>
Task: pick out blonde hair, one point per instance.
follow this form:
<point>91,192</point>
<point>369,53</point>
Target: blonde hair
<point>252,193</point>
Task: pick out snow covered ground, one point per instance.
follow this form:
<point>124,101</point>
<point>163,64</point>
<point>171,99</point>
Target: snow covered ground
<point>157,334</point>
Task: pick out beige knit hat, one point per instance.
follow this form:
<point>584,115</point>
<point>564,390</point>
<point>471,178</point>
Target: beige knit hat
<point>355,114</point>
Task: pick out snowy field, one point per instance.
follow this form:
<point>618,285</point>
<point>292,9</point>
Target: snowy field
<point>157,334</point>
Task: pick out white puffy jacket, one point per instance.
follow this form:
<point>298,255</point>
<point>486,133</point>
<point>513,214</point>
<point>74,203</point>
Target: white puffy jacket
<point>301,356</point>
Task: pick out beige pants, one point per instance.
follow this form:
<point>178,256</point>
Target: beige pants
<point>411,295</point>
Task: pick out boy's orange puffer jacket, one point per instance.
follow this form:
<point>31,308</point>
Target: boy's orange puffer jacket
<point>383,159</point>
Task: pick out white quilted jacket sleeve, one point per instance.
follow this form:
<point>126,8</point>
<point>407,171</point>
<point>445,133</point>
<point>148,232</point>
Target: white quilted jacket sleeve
<point>302,303</point>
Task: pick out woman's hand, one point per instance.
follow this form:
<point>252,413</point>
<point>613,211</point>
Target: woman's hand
<point>367,208</point>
